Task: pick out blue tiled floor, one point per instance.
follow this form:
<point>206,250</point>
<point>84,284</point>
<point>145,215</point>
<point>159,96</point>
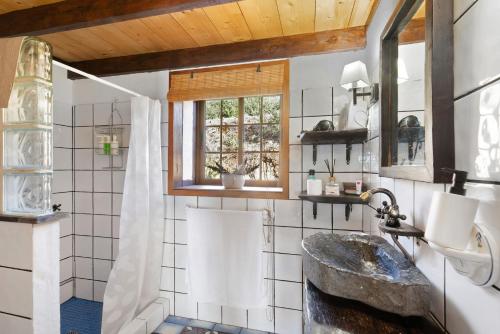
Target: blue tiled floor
<point>81,315</point>
<point>178,325</point>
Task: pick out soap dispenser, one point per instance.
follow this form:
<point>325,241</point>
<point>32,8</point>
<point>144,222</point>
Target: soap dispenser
<point>451,215</point>
<point>314,186</point>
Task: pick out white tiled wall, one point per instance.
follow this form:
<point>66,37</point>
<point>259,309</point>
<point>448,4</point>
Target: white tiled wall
<point>456,303</point>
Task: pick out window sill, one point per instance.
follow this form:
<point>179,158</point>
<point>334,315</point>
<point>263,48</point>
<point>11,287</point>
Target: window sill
<point>219,191</point>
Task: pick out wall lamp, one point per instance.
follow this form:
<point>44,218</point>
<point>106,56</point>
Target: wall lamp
<point>355,77</point>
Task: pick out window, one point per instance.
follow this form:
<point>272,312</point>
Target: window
<point>240,131</point>
<point>229,116</point>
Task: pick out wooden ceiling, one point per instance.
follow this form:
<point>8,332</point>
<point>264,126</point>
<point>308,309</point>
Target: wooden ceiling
<point>226,23</point>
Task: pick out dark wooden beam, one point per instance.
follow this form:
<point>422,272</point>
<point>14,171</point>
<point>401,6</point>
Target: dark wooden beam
<point>256,50</point>
<point>76,14</point>
<point>414,32</point>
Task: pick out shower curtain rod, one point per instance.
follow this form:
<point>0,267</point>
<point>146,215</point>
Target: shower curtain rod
<point>93,77</point>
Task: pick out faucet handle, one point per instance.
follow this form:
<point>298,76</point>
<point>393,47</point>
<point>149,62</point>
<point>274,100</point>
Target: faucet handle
<point>402,217</point>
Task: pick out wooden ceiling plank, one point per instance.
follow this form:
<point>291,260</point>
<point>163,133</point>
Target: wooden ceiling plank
<point>333,14</point>
<point>10,5</point>
<point>297,16</point>
<point>76,14</point>
<point>362,12</point>
<point>229,22</point>
<point>169,30</point>
<point>262,17</point>
<point>254,50</point>
<point>199,27</point>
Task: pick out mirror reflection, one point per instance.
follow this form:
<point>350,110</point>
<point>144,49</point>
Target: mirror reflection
<point>410,133</point>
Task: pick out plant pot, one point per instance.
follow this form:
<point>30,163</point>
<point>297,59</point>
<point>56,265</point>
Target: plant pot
<point>233,181</point>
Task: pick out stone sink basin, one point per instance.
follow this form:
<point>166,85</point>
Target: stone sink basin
<point>367,269</point>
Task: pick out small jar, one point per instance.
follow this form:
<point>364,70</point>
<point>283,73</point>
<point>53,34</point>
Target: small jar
<point>332,188</point>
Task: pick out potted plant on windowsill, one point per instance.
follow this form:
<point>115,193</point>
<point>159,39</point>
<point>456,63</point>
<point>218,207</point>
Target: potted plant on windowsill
<point>234,179</point>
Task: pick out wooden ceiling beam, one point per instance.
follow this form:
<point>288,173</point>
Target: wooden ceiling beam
<point>255,50</point>
<point>76,14</point>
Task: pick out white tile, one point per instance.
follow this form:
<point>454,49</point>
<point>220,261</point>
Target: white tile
<point>83,115</point>
<point>124,110</point>
<point>62,158</point>
<point>355,221</point>
<point>288,267</point>
<point>83,289</point>
<point>234,316</point>
<point>355,164</point>
<point>102,162</point>
<point>289,295</point>
<point>102,181</point>
<point>473,66</point>
<point>102,248</point>
<point>102,203</point>
<point>295,154</point>
<point>83,181</point>
<point>117,204</point>
<point>83,224</point>
<point>83,246</point>
<point>258,319</point>
<point>118,181</point>
<point>66,201</point>
<point>102,113</point>
<point>469,308</point>
<point>164,134</point>
<point>257,204</point>
<point>170,207</point>
<point>167,279</point>
<point>324,152</point>
<point>460,6</point>
<point>83,267</point>
<point>288,321</point>
<point>180,256</point>
<point>180,281</point>
<point>99,289</point>
<point>115,226</point>
<point>83,202</point>
<point>16,248</point>
<point>288,240</point>
<point>83,159</point>
<point>102,268</point>
<point>234,204</point>
<point>13,324</point>
<point>102,226</point>
<point>17,295</point>
<point>294,130</point>
<point>66,226</point>
<point>66,292</point>
<point>62,182</point>
<point>431,264</point>
<point>115,244</point>
<point>62,136</point>
<point>169,231</point>
<point>318,101</point>
<point>84,137</point>
<point>180,232</point>
<point>295,102</point>
<point>210,312</point>
<point>180,205</point>
<point>66,247</point>
<point>288,213</point>
<point>164,158</point>
<point>295,185</point>
<point>168,255</point>
<point>66,269</point>
<point>185,306</point>
<point>63,113</point>
<point>323,218</point>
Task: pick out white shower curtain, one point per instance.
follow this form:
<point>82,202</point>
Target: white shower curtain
<point>134,281</point>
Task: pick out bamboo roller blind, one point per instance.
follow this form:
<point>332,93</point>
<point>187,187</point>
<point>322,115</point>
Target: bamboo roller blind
<point>254,79</point>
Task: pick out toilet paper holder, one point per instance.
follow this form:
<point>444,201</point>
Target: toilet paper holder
<point>480,260</point>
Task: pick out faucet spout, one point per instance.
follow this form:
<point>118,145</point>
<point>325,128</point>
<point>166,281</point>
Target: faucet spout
<point>389,212</point>
<point>369,194</point>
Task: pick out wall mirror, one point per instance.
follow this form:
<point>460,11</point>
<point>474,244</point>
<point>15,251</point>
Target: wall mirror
<point>417,132</point>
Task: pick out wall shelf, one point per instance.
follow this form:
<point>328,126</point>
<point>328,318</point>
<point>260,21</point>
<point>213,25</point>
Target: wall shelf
<point>343,198</point>
<point>347,137</point>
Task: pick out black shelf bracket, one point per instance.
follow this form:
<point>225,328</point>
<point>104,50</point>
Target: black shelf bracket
<point>348,210</point>
<point>315,154</point>
<point>315,209</point>
<point>348,149</point>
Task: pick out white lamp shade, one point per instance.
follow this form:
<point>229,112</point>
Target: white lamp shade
<point>402,72</point>
<point>354,75</point>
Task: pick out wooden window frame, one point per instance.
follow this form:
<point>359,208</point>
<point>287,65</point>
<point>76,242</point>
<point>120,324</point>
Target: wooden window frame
<point>267,190</point>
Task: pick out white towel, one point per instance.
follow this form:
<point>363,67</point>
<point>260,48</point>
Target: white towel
<point>225,258</point>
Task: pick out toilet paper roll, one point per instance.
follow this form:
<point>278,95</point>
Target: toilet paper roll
<point>451,218</point>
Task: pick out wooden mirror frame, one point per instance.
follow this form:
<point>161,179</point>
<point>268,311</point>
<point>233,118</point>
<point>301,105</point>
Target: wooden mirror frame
<point>438,114</point>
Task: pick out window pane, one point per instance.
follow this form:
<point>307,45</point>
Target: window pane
<point>230,111</point>
<point>210,160</point>
<point>271,137</point>
<point>252,110</point>
<point>212,112</point>
<point>212,139</point>
<point>230,161</point>
<point>253,160</point>
<point>271,109</point>
<point>230,139</point>
<point>251,138</point>
<point>270,166</point>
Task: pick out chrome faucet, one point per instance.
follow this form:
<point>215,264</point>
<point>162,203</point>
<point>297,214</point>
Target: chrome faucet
<point>390,213</point>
